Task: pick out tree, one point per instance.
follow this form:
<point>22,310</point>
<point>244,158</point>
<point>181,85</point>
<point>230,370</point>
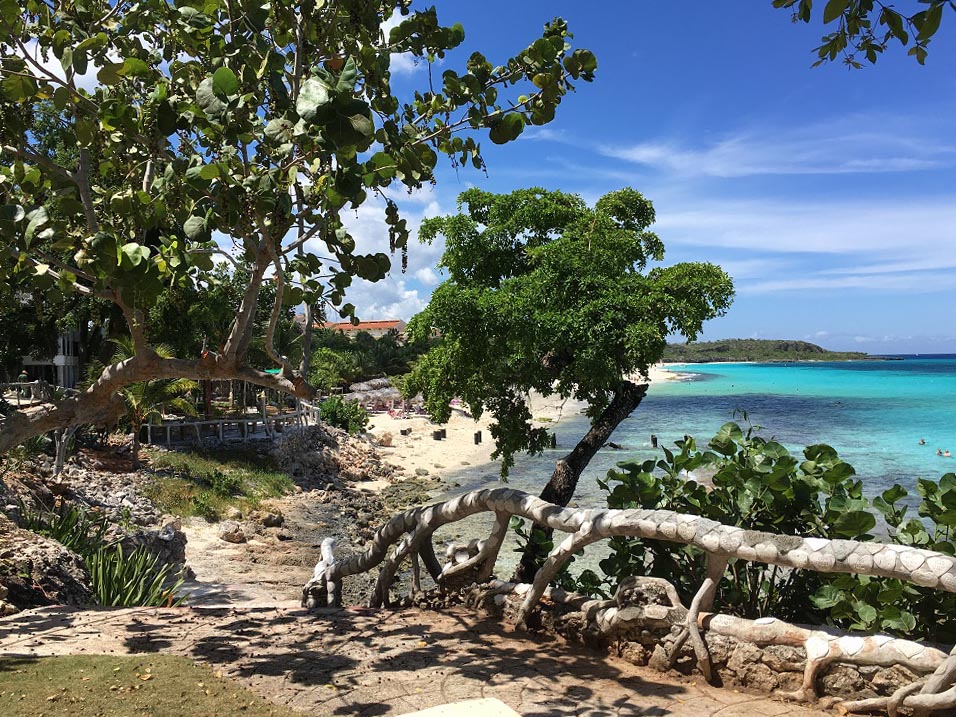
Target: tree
<point>545,293</point>
<point>235,128</point>
<point>865,28</point>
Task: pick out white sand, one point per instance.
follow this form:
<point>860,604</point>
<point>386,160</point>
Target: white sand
<point>419,450</point>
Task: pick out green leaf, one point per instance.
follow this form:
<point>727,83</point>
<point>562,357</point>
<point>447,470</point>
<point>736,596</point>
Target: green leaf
<point>18,89</point>
<point>313,97</point>
<point>854,523</point>
<point>209,171</point>
<point>827,596</point>
<point>931,21</point>
<point>37,218</point>
<point>196,229</point>
<point>347,78</point>
<point>833,10</point>
<point>109,74</point>
<point>10,11</point>
<point>61,98</point>
<point>135,253</point>
<point>84,132</point>
<point>134,67</point>
<point>206,98</point>
<point>508,128</point>
<point>224,82</point>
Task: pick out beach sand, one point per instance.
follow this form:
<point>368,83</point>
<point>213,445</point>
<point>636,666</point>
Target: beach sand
<point>458,453</point>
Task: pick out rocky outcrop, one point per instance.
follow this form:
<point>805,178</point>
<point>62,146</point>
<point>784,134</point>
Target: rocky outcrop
<point>317,456</point>
<point>35,570</point>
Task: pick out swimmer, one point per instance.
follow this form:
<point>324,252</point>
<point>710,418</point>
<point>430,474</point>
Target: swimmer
<point>939,452</point>
<point>922,441</point>
<point>946,454</point>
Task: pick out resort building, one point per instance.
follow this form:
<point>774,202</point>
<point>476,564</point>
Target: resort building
<point>377,329</point>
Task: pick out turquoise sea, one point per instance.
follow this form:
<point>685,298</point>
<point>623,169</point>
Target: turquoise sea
<point>873,412</point>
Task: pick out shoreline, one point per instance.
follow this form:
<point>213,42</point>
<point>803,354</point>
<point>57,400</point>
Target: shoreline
<point>457,453</point>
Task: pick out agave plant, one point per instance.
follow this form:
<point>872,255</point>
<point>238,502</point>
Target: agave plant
<point>132,579</point>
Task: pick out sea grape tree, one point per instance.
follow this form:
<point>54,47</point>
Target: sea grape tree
<point>864,29</point>
<point>240,128</point>
<point>546,293</point>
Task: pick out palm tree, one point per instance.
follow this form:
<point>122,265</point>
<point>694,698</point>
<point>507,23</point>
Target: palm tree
<point>146,401</point>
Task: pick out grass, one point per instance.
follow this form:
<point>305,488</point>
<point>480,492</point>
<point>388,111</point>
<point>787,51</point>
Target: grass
<point>205,483</point>
<point>107,686</point>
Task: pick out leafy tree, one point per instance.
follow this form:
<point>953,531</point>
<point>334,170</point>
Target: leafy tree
<point>548,294</point>
<point>256,121</point>
<point>866,28</point>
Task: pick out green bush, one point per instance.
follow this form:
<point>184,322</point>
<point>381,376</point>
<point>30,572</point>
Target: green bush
<point>347,415</point>
<point>204,505</point>
<point>132,579</point>
<point>759,485</point>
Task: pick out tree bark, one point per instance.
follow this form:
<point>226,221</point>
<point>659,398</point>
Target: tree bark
<point>560,488</point>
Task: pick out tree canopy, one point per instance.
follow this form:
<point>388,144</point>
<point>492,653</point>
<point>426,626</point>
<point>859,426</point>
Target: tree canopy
<point>864,29</point>
<point>239,128</point>
<point>545,293</point>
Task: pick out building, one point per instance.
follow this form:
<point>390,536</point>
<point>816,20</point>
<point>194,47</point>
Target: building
<point>64,368</point>
<point>376,329</point>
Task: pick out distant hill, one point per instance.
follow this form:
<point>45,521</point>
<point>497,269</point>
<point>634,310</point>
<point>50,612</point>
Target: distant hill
<point>761,350</point>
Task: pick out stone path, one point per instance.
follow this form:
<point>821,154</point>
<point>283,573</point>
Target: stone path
<point>368,663</point>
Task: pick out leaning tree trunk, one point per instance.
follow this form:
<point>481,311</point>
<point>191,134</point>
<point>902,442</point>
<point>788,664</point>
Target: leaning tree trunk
<point>560,488</point>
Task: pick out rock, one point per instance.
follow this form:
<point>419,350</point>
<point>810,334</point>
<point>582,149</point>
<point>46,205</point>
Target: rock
<point>421,472</point>
<point>317,456</point>
<point>267,518</point>
<point>230,531</point>
<point>233,513</point>
<point>35,570</point>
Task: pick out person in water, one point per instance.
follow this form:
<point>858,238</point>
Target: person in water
<point>946,454</point>
<point>922,441</point>
<point>939,452</point>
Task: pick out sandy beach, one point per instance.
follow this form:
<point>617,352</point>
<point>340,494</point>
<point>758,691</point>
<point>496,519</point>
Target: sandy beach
<point>458,453</point>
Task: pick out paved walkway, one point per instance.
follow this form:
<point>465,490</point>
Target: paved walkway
<point>370,663</point>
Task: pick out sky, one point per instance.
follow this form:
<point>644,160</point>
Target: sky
<point>829,195</point>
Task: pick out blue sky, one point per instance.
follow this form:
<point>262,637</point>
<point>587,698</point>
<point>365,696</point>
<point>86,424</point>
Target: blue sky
<point>827,194</point>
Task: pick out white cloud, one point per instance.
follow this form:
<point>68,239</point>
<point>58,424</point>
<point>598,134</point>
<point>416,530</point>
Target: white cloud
<point>398,295</point>
<point>428,276</point>
<point>836,147</point>
<point>894,228</point>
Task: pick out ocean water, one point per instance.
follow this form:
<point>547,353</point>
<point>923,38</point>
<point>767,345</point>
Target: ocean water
<point>873,412</point>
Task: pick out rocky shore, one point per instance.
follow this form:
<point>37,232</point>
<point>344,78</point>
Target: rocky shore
<point>343,489</point>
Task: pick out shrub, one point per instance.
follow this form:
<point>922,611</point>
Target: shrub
<point>204,505</point>
<point>347,415</point>
<point>759,485</point>
<point>132,579</point>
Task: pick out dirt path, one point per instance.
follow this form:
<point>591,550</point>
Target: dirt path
<point>371,663</point>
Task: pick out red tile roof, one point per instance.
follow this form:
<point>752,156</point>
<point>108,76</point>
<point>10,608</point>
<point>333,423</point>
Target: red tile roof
<point>385,325</point>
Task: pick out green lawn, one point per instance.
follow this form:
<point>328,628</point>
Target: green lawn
<point>106,686</point>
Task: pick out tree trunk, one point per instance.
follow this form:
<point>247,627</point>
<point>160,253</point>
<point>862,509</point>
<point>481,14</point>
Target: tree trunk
<point>207,398</point>
<point>560,488</point>
<point>135,450</point>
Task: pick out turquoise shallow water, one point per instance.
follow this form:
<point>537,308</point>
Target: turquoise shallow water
<point>872,412</point>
